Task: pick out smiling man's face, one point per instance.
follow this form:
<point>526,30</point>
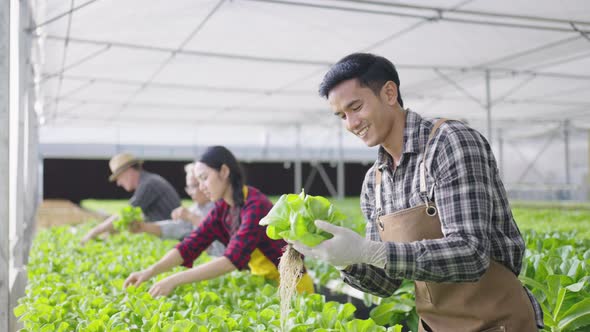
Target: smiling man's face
<point>366,115</point>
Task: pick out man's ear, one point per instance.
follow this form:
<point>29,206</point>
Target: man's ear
<point>389,92</point>
<point>224,171</point>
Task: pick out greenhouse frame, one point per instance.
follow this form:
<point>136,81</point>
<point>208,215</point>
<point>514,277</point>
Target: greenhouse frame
<point>86,79</point>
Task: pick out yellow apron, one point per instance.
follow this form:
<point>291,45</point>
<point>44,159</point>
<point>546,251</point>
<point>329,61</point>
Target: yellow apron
<point>260,265</point>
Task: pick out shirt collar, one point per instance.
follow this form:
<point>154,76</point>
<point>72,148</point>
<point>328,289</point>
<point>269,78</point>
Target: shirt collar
<point>412,141</point>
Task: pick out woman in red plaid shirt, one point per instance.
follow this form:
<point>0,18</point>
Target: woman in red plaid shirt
<point>233,221</point>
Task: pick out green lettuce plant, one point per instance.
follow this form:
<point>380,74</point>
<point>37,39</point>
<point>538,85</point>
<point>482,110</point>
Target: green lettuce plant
<point>292,218</point>
<point>127,215</point>
<point>80,288</point>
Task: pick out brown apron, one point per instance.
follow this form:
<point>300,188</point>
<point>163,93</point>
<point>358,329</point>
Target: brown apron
<point>497,302</point>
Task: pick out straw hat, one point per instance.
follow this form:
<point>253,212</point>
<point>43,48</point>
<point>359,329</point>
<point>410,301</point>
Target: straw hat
<point>119,163</point>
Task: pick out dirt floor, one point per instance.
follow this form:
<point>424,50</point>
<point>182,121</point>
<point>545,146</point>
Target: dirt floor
<point>54,212</point>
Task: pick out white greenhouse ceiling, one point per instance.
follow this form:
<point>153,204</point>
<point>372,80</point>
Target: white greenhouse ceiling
<point>245,72</point>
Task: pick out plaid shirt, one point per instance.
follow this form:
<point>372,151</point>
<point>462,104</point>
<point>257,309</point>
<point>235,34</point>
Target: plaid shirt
<point>238,229</point>
<point>475,215</point>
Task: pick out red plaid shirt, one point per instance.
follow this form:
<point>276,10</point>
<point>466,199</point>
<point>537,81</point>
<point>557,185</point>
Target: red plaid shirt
<point>241,236</point>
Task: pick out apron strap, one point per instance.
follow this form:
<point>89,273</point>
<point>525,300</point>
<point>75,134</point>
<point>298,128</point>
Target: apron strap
<point>433,131</point>
<point>378,190</point>
<point>423,190</point>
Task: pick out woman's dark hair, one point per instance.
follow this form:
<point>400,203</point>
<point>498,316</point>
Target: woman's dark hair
<point>215,157</point>
<point>371,71</point>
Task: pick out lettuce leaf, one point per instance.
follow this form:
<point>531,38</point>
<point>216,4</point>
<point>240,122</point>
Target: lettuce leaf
<point>293,217</point>
<point>127,215</point>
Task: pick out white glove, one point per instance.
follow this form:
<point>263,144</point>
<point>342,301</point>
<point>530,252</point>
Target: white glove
<point>345,248</point>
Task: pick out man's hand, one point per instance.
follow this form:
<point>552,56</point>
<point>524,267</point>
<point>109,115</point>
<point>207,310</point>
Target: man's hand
<point>89,236</point>
<point>96,231</point>
<point>136,227</point>
<point>163,287</point>
<point>345,248</point>
<point>136,278</point>
<point>105,226</point>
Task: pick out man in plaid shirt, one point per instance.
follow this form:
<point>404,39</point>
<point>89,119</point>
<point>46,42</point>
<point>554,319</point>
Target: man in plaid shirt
<point>461,176</point>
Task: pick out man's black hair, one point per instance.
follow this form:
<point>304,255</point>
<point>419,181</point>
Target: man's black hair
<point>371,70</point>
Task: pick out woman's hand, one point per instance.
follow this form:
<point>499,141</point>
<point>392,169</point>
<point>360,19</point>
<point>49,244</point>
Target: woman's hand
<point>136,278</point>
<point>163,287</point>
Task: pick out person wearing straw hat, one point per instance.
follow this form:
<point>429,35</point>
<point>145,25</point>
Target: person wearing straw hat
<point>436,210</point>
<point>152,193</point>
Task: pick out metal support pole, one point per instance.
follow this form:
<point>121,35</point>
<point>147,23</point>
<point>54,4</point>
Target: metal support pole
<point>566,146</point>
<point>4,165</point>
<point>489,106</point>
<point>567,193</point>
<point>265,145</point>
<point>501,153</point>
<point>19,147</point>
<point>588,165</point>
<point>31,140</point>
<point>17,73</point>
<point>310,177</point>
<point>17,178</point>
<point>340,171</point>
<point>40,174</point>
<point>326,180</point>
<point>31,179</point>
<point>297,168</point>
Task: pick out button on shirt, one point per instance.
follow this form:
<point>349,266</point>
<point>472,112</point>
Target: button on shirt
<point>155,196</point>
<point>475,215</point>
<point>238,229</point>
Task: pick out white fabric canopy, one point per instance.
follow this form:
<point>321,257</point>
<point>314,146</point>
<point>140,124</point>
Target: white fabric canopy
<point>246,72</point>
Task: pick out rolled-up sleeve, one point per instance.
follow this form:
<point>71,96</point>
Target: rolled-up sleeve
<point>370,279</point>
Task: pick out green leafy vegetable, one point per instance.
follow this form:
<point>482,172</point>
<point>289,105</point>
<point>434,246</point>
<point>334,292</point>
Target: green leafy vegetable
<point>74,288</point>
<point>293,216</point>
<point>127,215</point>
